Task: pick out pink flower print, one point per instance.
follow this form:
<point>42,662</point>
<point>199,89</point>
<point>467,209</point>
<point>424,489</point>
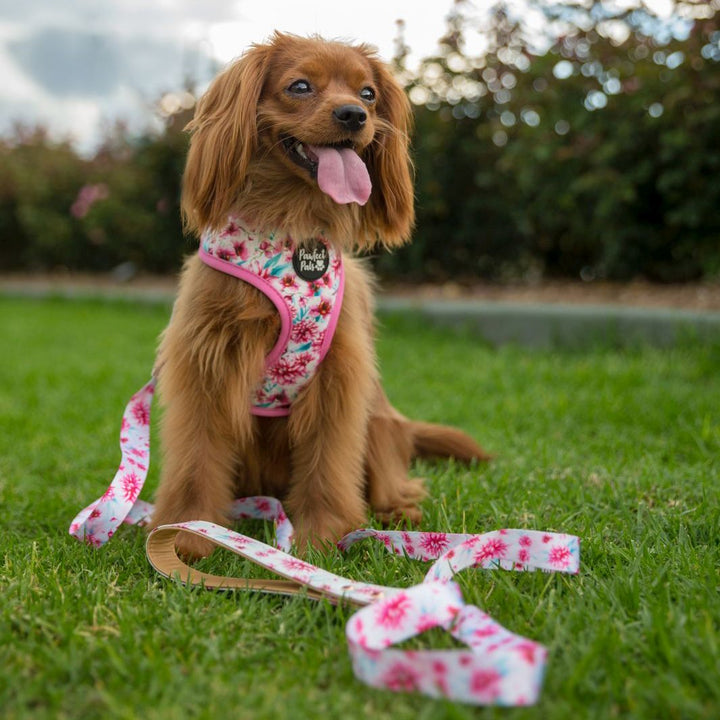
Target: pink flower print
<point>262,505</point>
<point>109,493</point>
<point>304,359</point>
<point>312,289</point>
<point>323,308</point>
<point>485,684</point>
<point>266,248</point>
<point>434,544</point>
<point>523,555</point>
<point>401,677</point>
<point>426,622</point>
<point>223,253</point>
<point>304,331</point>
<point>392,612</point>
<point>525,541</point>
<point>286,372</point>
<point>232,228</point>
<point>288,282</point>
<point>141,413</point>
<point>240,250</point>
<point>131,484</point>
<point>546,538</point>
<point>491,550</point>
<point>295,565</point>
<point>527,650</point>
<point>559,556</point>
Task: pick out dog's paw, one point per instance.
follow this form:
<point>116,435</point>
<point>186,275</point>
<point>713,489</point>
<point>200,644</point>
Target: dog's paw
<point>411,514</point>
<point>191,547</point>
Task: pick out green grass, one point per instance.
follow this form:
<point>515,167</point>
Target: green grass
<point>619,447</point>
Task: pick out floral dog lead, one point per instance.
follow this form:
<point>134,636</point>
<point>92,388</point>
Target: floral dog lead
<point>497,667</point>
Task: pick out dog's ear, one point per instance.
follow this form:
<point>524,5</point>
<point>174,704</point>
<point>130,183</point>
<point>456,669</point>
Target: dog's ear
<point>224,137</point>
<point>390,213</point>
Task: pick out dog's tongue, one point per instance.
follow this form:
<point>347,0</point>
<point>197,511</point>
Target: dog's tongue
<point>342,174</point>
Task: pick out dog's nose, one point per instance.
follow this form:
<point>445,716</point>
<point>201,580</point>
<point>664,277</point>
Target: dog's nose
<point>351,117</point>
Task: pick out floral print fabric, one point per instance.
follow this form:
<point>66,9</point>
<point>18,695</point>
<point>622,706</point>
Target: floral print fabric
<point>309,308</point>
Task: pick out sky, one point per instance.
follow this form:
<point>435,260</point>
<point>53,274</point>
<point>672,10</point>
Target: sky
<point>76,66</point>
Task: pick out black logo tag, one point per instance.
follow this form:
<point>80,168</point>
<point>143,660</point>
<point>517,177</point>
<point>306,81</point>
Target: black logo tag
<point>311,262</point>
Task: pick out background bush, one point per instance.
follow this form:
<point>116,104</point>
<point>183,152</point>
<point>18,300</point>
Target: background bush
<point>597,158</point>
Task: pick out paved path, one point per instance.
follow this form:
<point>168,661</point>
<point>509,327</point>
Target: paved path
<point>525,323</point>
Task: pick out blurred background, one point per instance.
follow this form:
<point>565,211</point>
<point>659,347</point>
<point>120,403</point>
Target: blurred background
<point>575,139</point>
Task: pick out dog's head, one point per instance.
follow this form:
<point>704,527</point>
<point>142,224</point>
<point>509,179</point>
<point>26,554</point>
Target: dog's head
<point>300,128</point>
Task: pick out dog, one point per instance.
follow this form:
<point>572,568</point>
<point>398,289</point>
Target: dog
<point>299,147</point>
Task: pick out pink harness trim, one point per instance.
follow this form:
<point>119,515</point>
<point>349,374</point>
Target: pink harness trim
<point>308,309</point>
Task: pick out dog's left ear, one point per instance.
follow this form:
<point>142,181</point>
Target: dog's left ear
<point>389,215</point>
<point>224,138</point>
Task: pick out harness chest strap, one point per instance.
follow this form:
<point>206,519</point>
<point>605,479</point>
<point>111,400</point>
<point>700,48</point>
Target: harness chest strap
<point>498,668</point>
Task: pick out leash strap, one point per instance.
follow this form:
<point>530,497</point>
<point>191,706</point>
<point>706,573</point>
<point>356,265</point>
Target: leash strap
<point>498,667</point>
<point>97,523</point>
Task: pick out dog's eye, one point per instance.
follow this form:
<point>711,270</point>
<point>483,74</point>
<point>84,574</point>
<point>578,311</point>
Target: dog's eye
<point>300,87</point>
<point>367,94</point>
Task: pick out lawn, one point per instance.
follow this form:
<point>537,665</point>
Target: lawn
<point>620,447</point>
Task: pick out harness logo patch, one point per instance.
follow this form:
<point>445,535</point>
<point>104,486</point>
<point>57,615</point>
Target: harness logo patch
<point>311,262</point>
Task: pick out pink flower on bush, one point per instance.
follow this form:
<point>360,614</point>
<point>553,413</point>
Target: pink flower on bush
<point>87,197</point>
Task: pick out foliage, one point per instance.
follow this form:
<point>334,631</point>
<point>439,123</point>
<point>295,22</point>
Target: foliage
<point>595,159</point>
<point>585,150</point>
<point>98,634</point>
<point>61,210</point>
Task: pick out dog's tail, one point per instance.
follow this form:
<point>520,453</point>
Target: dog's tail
<point>432,441</point>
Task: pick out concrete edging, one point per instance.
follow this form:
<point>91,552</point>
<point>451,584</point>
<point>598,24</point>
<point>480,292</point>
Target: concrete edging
<point>536,325</point>
<point>545,325</point>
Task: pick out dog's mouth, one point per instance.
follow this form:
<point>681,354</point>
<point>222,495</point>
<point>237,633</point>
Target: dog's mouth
<point>338,169</point>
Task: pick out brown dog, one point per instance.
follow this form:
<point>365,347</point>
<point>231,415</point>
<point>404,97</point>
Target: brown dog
<point>289,139</point>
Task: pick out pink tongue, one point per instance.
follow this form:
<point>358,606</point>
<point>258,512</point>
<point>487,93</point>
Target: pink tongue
<point>342,174</point>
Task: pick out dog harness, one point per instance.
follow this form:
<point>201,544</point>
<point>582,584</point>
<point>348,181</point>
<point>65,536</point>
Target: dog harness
<point>304,281</point>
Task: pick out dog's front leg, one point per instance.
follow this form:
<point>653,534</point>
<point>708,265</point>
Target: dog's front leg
<point>211,358</point>
<point>328,433</point>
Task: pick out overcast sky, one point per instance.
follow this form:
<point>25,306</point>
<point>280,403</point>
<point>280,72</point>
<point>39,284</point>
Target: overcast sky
<point>76,64</point>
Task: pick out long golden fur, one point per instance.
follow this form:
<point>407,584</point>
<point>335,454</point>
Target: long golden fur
<point>343,449</point>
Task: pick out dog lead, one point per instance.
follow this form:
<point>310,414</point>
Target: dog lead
<point>499,667</point>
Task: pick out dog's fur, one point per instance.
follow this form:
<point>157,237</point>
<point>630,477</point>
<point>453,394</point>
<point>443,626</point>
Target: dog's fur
<point>343,447</point>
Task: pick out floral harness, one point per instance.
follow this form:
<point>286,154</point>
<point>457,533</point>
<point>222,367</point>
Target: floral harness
<point>304,282</point>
